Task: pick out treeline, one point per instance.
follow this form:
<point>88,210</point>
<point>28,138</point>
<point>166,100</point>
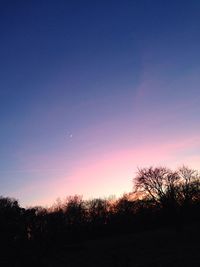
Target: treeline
<point>160,197</point>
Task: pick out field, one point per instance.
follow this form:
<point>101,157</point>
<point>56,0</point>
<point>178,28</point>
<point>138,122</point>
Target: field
<point>157,248</point>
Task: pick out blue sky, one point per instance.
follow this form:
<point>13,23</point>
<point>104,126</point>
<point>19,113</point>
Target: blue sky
<point>83,82</point>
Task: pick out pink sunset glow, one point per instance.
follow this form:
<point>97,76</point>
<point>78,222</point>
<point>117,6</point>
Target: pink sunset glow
<point>110,173</point>
<point>84,123</point>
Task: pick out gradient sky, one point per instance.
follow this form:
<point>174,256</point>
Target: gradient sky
<point>91,90</point>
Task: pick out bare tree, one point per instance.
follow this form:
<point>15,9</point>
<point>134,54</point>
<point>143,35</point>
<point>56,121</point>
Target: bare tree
<point>189,185</point>
<point>158,184</point>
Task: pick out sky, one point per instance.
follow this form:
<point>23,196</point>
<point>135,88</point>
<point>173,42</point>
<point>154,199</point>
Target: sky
<point>92,90</point>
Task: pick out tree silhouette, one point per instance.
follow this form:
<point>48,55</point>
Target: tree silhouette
<point>158,184</point>
<point>12,224</point>
<point>161,197</point>
<point>189,186</point>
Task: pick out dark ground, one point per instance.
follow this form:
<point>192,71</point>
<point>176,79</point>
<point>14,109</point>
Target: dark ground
<point>155,248</point>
